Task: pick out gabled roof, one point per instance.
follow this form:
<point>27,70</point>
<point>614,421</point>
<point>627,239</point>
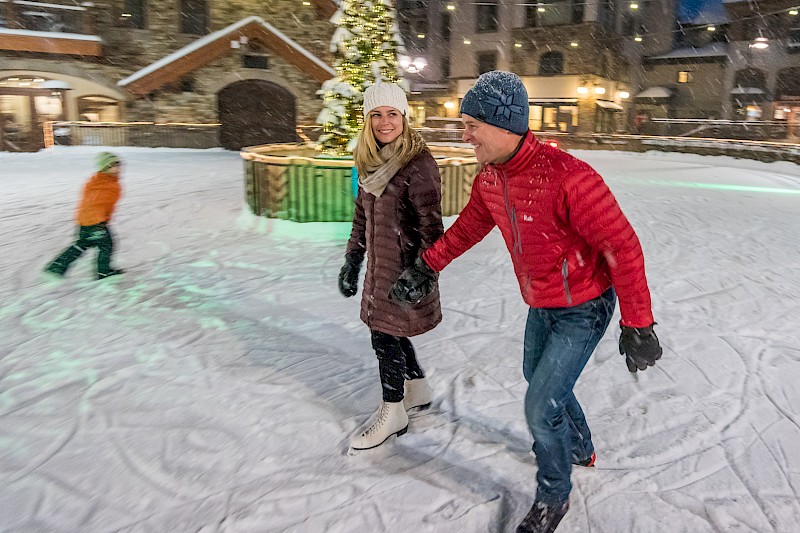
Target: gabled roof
<point>218,44</point>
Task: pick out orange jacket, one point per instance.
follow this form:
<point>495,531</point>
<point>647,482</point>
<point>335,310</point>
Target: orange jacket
<point>100,196</point>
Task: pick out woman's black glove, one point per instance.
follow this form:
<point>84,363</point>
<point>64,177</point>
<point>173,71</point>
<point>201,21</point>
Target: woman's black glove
<point>640,347</point>
<point>348,275</point>
<point>414,284</point>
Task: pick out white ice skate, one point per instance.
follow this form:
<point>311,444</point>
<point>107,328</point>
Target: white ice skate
<point>390,419</point>
<point>417,394</point>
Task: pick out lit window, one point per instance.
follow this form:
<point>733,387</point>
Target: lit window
<point>684,76</point>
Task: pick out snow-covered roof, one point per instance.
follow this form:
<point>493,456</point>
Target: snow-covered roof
<point>47,5</point>
<point>605,104</point>
<point>748,90</point>
<point>655,92</point>
<point>710,50</point>
<point>51,35</point>
<point>225,33</point>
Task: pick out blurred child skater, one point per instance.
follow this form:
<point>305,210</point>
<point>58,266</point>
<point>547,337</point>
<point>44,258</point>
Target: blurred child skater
<point>100,196</point>
<point>397,216</point>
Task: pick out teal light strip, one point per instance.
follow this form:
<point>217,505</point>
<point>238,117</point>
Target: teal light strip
<point>713,186</point>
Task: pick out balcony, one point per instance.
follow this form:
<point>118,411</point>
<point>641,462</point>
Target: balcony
<point>41,27</point>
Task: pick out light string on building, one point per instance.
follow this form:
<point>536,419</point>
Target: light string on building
<point>637,37</point>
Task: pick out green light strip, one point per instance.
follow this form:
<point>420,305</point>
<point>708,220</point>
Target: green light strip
<point>712,186</point>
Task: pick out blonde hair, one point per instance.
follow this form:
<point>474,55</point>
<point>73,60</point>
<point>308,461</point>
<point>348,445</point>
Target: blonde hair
<point>367,152</point>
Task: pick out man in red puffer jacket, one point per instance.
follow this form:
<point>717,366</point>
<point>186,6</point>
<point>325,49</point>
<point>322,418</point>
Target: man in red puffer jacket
<point>574,253</point>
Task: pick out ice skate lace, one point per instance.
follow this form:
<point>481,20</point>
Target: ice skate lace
<point>383,414</point>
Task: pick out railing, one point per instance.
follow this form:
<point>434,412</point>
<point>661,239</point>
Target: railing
<point>721,129</point>
<point>144,134</point>
<point>46,17</point>
<point>766,151</point>
<point>295,182</point>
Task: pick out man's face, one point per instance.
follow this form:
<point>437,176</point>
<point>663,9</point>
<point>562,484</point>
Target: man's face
<point>491,144</point>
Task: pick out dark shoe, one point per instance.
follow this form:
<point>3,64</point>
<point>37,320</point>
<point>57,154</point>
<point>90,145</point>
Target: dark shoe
<point>54,269</point>
<point>587,462</point>
<point>112,272</point>
<point>542,518</point>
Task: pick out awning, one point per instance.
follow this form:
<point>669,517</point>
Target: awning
<point>655,92</point>
<point>605,104</point>
<point>748,90</point>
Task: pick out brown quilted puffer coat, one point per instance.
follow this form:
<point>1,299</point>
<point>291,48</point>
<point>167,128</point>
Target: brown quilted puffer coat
<point>393,229</point>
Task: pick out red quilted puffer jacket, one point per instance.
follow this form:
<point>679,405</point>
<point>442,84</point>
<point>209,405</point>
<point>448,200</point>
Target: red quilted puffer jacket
<point>568,237</point>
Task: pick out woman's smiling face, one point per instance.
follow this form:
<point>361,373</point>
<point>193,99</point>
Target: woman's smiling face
<point>387,123</point>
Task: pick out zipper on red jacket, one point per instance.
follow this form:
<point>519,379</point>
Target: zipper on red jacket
<point>565,274</point>
<point>511,211</point>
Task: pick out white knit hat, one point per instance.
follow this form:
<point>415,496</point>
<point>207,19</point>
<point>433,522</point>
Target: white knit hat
<point>385,94</point>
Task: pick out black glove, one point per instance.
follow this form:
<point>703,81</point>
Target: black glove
<point>348,275</point>
<point>414,284</point>
<point>640,347</point>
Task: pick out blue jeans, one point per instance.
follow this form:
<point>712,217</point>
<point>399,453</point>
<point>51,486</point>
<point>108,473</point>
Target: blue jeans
<point>558,343</point>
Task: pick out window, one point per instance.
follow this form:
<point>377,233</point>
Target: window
<point>194,17</point>
<point>555,13</point>
<point>446,66</point>
<point>794,39</point>
<point>187,85</point>
<point>551,64</point>
<point>684,76</point>
<point>487,18</point>
<point>446,26</point>
<point>750,77</point>
<point>606,16</point>
<point>487,61</point>
<point>134,14</point>
<point>530,13</point>
<point>255,61</point>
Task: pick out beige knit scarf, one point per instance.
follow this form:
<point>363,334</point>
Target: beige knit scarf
<point>391,158</point>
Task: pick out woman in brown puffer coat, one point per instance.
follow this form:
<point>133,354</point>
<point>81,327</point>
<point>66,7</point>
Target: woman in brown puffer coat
<point>397,216</point>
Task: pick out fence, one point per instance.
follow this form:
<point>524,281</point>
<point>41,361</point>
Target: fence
<point>294,182</point>
<point>144,134</point>
<point>721,129</point>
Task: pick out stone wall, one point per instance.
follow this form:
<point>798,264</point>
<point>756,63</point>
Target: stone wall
<point>138,48</point>
<point>127,50</point>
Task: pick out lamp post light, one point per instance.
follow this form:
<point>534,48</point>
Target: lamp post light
<point>412,66</point>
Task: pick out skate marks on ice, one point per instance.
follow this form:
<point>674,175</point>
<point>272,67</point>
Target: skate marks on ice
<point>216,389</point>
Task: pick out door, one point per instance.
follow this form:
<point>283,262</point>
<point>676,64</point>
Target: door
<point>17,125</point>
<point>253,112</point>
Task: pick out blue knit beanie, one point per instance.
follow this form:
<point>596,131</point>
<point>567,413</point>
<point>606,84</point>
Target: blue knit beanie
<point>498,98</point>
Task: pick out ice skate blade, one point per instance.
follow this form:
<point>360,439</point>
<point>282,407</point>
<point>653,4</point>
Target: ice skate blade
<point>419,408</point>
<point>354,451</point>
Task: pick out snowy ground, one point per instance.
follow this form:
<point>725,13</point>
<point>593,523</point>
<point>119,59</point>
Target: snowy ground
<point>215,386</point>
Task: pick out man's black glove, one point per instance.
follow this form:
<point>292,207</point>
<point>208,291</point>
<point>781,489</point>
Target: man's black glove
<point>415,283</point>
<point>348,275</point>
<point>640,347</point>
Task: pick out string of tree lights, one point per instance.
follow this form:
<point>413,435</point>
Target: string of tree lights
<point>365,45</point>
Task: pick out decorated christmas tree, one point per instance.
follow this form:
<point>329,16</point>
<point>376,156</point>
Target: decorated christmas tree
<point>365,46</point>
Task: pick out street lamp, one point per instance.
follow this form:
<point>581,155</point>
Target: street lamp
<point>760,43</point>
<point>412,66</point>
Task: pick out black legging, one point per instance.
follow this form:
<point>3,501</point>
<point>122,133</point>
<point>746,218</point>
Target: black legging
<point>397,362</point>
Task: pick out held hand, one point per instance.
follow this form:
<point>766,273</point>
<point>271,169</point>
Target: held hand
<point>415,283</point>
<point>640,347</point>
<point>348,275</point>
